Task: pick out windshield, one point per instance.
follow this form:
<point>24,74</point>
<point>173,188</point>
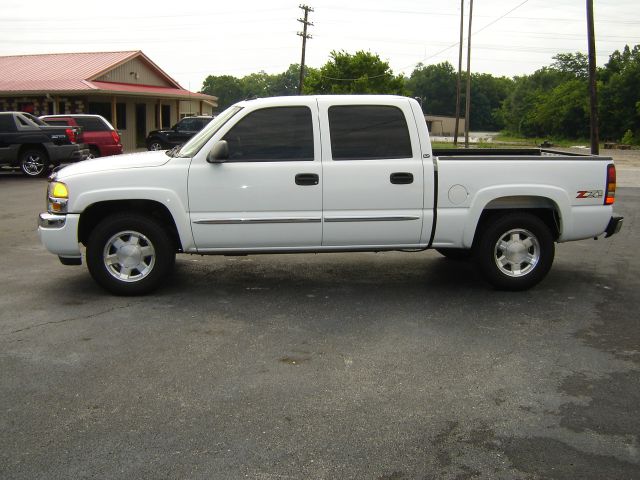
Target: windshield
<point>194,145</point>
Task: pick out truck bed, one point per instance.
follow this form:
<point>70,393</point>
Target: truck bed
<point>506,153</point>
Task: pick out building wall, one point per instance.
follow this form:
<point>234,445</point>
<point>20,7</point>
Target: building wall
<point>443,126</point>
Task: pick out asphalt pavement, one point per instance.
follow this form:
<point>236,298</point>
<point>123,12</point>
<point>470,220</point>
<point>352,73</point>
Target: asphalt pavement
<point>352,366</point>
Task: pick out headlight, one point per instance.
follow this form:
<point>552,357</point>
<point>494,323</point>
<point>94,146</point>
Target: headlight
<point>57,197</point>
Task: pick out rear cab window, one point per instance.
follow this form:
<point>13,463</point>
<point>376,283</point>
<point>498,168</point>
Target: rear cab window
<point>368,132</point>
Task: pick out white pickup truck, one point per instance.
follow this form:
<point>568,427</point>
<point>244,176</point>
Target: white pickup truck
<point>324,174</point>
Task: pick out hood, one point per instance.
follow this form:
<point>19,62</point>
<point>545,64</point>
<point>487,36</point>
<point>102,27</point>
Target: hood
<point>161,131</point>
<point>115,162</point>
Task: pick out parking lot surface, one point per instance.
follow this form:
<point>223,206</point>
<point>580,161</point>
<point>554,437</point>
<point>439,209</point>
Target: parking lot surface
<point>374,366</point>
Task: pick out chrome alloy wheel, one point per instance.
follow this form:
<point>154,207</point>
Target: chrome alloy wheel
<point>129,256</point>
<point>155,146</point>
<point>517,252</point>
<point>33,165</point>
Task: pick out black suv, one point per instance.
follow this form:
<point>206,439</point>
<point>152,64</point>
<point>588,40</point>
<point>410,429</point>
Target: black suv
<point>178,134</point>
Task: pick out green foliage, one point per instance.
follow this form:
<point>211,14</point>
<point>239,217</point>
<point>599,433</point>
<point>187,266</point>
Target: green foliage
<point>620,94</point>
<point>362,72</point>
<point>628,138</point>
<point>230,90</point>
<point>572,64</point>
<point>435,86</point>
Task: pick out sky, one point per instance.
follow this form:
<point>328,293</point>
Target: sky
<point>192,40</point>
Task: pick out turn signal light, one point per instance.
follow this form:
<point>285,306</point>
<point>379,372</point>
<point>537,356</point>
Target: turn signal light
<point>610,197</point>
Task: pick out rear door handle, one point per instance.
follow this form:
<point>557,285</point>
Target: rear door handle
<point>401,178</point>
<point>307,179</point>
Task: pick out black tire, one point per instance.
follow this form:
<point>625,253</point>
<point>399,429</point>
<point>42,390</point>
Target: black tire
<point>514,251</point>
<point>458,254</point>
<point>154,144</point>
<point>139,264</point>
<point>34,162</point>
<point>93,153</point>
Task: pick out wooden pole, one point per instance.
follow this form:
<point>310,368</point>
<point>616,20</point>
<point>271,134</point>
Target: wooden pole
<point>455,135</point>
<point>467,114</point>
<point>593,92</point>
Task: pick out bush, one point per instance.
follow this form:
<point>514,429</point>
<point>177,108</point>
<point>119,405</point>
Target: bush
<point>628,138</point>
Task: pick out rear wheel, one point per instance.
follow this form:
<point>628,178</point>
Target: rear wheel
<point>515,251</point>
<point>155,145</point>
<point>129,254</point>
<point>34,162</point>
<point>93,153</point>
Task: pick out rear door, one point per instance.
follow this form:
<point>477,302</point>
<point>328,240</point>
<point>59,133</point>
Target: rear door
<point>373,180</point>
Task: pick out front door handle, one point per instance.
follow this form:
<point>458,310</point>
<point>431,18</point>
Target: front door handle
<point>401,178</point>
<point>307,179</point>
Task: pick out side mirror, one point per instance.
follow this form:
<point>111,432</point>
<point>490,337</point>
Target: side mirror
<point>219,153</point>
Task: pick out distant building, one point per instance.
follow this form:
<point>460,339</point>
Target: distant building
<point>126,88</point>
<point>441,126</point>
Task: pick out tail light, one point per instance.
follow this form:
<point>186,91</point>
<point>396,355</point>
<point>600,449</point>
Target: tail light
<point>610,196</point>
<point>71,135</point>
<point>116,137</point>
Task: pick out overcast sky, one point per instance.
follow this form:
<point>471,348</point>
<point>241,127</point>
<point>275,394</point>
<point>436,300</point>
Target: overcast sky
<point>191,40</point>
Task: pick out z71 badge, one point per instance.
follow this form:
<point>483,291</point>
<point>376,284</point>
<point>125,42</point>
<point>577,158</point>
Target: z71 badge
<point>589,194</point>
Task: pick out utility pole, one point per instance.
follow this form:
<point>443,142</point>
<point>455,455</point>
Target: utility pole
<point>467,116</point>
<point>304,36</point>
<point>455,135</point>
<point>593,94</point>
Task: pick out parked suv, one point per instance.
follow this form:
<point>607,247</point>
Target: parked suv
<point>97,133</point>
<point>178,134</point>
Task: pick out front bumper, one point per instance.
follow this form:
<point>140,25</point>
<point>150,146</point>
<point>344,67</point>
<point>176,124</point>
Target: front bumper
<point>59,234</point>
<point>614,226</point>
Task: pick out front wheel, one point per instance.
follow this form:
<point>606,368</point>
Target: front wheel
<point>34,162</point>
<point>515,251</point>
<point>129,254</point>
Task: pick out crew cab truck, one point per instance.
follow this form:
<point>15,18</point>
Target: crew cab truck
<point>33,146</point>
<point>324,174</point>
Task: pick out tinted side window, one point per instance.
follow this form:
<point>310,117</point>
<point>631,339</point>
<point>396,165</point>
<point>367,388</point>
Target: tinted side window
<point>57,123</point>
<point>272,134</point>
<point>188,124</point>
<point>368,132</point>
<point>92,124</point>
<point>7,124</point>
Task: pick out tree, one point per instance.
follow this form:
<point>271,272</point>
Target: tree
<point>572,64</point>
<point>620,94</point>
<point>362,72</point>
<point>227,88</point>
<point>435,85</point>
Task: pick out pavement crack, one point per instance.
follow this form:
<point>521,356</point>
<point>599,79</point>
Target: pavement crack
<point>65,320</point>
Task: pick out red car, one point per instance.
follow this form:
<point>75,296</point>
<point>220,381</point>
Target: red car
<point>97,133</point>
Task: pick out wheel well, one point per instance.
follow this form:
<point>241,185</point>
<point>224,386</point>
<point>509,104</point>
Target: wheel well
<point>34,146</point>
<point>98,211</point>
<point>548,215</point>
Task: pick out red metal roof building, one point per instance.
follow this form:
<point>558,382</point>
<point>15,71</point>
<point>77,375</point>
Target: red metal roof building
<point>125,87</point>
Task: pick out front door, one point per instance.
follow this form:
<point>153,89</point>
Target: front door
<point>269,192</point>
<point>373,179</point>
